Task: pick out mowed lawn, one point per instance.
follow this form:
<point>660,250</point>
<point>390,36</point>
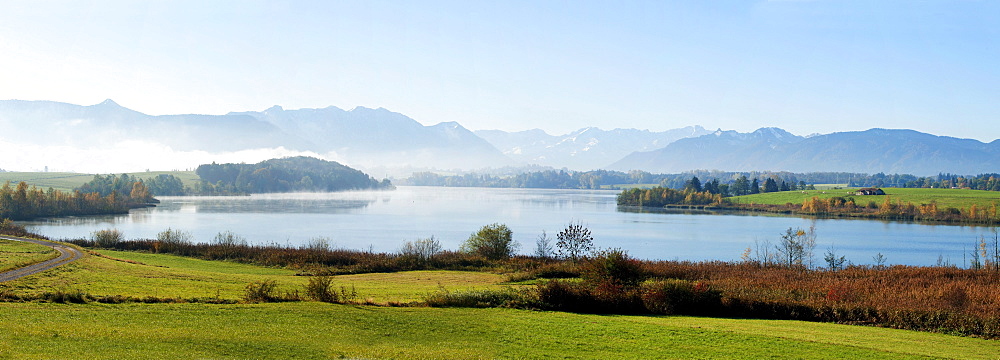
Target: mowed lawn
<point>957,198</point>
<point>15,254</point>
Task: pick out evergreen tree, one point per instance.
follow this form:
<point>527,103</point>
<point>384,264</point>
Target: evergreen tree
<point>741,186</point>
<point>755,186</point>
<point>694,184</point>
<point>770,185</point>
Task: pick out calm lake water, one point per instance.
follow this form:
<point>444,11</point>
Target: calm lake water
<point>382,221</point>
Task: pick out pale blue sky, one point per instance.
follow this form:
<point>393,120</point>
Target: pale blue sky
<point>805,66</point>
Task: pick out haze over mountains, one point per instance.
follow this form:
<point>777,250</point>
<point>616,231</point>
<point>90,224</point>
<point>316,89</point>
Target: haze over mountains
<point>585,149</point>
<point>107,137</point>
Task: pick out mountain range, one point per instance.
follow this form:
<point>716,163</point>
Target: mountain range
<point>870,151</point>
<point>382,139</point>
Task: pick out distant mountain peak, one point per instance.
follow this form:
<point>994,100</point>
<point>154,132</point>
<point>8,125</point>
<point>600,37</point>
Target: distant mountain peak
<point>275,108</point>
<point>449,124</point>
<point>773,131</point>
<point>108,103</point>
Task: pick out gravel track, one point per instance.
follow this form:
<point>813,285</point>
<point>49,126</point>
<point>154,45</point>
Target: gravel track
<point>67,255</point>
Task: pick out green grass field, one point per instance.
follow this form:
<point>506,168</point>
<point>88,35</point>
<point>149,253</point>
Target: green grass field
<point>321,330</point>
<point>180,277</point>
<point>15,254</point>
<point>69,181</point>
<point>957,198</point>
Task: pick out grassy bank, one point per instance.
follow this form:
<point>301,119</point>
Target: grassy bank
<point>955,198</point>
<point>15,254</point>
<point>321,331</point>
<point>140,275</point>
<point>64,181</point>
<point>932,205</point>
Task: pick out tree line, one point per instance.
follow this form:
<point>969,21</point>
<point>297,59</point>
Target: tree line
<point>713,192</point>
<point>726,182</point>
<point>661,196</point>
<point>22,202</point>
<point>160,185</point>
<point>989,182</point>
<point>283,175</point>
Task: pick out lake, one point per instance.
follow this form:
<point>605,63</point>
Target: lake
<point>384,220</point>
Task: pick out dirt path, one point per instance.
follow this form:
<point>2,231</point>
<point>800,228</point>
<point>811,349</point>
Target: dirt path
<point>67,255</point>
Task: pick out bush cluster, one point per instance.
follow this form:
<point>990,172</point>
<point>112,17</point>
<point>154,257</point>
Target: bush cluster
<point>311,260</point>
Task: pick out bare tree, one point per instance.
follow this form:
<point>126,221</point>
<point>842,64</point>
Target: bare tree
<point>575,241</point>
<point>422,249</point>
<point>796,247</point>
<point>543,246</point>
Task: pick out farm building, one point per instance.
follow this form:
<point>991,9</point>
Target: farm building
<point>869,191</point>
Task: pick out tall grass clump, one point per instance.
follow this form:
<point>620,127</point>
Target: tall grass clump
<point>171,240</point>
<point>267,291</point>
<point>320,288</point>
<point>107,238</point>
<point>421,251</point>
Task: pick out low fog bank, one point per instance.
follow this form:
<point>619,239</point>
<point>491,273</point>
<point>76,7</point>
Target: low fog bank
<point>131,156</point>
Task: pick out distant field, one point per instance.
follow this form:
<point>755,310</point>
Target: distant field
<point>957,198</point>
<point>69,181</point>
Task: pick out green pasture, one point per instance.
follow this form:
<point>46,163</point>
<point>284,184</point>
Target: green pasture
<point>957,198</point>
<point>68,181</point>
<point>169,276</point>
<point>15,254</point>
<point>311,330</point>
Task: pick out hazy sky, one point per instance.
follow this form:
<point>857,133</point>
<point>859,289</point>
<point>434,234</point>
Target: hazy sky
<point>805,66</point>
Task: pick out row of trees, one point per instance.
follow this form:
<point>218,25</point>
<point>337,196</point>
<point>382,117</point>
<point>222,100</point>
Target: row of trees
<point>22,202</point>
<point>160,185</point>
<point>744,186</point>
<point>989,182</point>
<point>661,196</point>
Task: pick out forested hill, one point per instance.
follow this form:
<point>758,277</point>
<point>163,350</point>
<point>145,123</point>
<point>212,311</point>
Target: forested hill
<point>284,175</point>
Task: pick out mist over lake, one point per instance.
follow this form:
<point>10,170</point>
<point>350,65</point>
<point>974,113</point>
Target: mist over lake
<point>383,220</point>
